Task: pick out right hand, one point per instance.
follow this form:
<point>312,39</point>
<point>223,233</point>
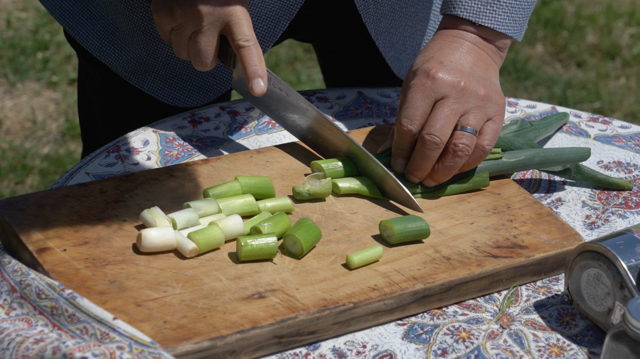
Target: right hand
<point>193,28</point>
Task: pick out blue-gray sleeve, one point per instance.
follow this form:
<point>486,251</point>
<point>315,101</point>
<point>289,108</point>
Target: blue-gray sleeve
<point>510,17</point>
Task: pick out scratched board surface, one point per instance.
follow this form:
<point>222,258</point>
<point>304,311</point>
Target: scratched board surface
<point>213,306</point>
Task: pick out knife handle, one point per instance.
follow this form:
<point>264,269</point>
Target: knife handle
<point>226,55</point>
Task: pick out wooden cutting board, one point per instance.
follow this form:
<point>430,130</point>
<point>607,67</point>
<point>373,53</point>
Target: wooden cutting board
<point>213,306</point>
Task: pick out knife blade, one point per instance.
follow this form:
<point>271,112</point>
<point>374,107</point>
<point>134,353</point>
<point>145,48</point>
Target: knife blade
<point>309,125</point>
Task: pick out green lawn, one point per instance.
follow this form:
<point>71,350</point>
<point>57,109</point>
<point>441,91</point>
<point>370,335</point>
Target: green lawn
<point>578,54</point>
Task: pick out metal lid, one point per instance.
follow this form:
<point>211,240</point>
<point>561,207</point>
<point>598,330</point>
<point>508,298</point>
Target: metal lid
<point>632,315</point>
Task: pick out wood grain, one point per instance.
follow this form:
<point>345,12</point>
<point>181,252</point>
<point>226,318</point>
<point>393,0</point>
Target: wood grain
<point>213,306</point>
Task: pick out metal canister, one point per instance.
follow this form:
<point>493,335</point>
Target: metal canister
<point>603,275</point>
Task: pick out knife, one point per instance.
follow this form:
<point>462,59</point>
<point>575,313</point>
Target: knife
<point>309,125</point>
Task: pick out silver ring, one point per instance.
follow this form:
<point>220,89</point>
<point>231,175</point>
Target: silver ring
<point>467,129</point>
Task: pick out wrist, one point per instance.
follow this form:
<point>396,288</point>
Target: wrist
<point>494,43</point>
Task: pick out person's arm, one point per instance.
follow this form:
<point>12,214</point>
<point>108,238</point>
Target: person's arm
<point>193,28</point>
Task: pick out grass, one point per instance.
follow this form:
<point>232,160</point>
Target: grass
<point>579,54</point>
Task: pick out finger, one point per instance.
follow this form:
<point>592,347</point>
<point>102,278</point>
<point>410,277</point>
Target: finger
<point>245,44</point>
<point>485,143</point>
<point>203,48</point>
<point>432,140</point>
<point>415,106</point>
<point>457,151</point>
<point>163,19</point>
<point>387,144</point>
<point>180,37</point>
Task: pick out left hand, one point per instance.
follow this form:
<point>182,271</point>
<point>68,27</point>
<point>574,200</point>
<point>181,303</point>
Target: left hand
<point>453,81</point>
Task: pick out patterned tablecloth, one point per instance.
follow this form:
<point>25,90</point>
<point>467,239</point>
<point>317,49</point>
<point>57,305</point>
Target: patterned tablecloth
<point>42,318</point>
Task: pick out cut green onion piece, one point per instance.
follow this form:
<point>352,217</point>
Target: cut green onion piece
<point>185,246</point>
<point>154,217</point>
<point>156,239</point>
<point>471,183</point>
<point>254,220</point>
<point>207,238</point>
<point>227,189</point>
<point>259,186</point>
<point>279,224</point>
<point>364,257</point>
<point>335,167</point>
<point>184,218</point>
<point>302,236</point>
<point>208,219</point>
<point>404,229</point>
<point>276,204</point>
<point>314,186</point>
<point>355,185</point>
<point>186,231</point>
<point>204,207</point>
<point>244,205</point>
<point>232,226</point>
<point>257,247</point>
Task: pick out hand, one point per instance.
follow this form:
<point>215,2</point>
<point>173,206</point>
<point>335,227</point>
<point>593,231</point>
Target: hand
<point>453,81</point>
<point>193,28</point>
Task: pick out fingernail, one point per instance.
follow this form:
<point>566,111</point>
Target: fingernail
<point>257,87</point>
<point>411,179</point>
<point>385,145</point>
<point>399,165</point>
<point>429,183</point>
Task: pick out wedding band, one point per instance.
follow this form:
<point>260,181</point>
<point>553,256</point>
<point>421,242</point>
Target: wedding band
<point>467,129</point>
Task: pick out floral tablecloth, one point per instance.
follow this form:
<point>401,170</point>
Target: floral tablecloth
<point>41,318</point>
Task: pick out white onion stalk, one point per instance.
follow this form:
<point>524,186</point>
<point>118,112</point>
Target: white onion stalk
<point>184,218</point>
<point>204,207</point>
<point>185,246</point>
<point>208,219</point>
<point>156,239</point>
<point>154,217</point>
<point>232,226</point>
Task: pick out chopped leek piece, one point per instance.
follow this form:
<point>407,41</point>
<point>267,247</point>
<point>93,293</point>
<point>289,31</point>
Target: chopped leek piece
<point>232,226</point>
<point>222,190</point>
<point>477,181</point>
<point>204,207</point>
<point>244,205</point>
<point>156,239</point>
<point>404,229</point>
<point>279,224</point>
<point>188,230</point>
<point>314,186</point>
<point>184,218</point>
<point>207,238</point>
<point>254,220</point>
<point>154,217</point>
<point>260,187</point>
<point>355,185</point>
<point>302,236</point>
<point>185,246</point>
<point>335,167</point>
<point>364,257</point>
<point>276,204</point>
<point>208,219</point>
<point>257,247</point>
